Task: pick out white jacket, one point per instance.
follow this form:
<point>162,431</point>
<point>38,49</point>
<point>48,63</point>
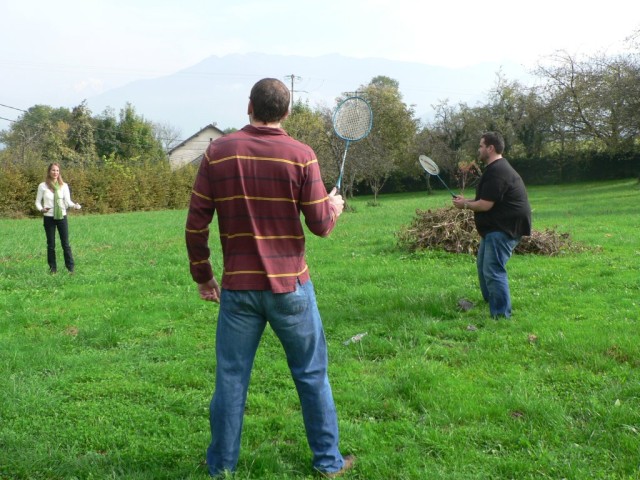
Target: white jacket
<point>44,199</point>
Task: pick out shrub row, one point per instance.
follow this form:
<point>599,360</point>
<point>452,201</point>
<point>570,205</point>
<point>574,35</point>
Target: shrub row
<point>109,188</point>
<point>551,170</point>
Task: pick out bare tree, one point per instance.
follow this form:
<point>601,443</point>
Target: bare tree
<point>167,135</point>
<point>595,99</point>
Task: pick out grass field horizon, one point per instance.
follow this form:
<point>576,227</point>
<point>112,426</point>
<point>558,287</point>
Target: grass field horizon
<point>108,373</point>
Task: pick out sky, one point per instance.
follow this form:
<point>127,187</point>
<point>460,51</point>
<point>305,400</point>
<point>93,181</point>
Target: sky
<point>60,52</point>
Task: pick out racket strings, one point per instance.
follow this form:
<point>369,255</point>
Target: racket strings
<point>352,121</point>
<point>429,165</point>
<point>432,170</point>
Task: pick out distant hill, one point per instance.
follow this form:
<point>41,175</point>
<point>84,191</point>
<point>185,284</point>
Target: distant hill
<point>216,90</point>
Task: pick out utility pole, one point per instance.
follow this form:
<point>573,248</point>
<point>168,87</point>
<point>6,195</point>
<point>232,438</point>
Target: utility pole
<point>293,79</point>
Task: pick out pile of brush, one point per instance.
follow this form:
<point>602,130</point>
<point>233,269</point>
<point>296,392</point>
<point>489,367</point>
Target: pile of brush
<point>453,230</point>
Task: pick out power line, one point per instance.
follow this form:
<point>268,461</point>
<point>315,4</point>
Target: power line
<point>12,108</point>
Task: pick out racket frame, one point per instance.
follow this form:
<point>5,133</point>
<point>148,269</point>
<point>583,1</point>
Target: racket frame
<point>432,169</point>
<point>348,140</point>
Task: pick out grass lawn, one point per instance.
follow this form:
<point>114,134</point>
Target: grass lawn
<point>107,374</point>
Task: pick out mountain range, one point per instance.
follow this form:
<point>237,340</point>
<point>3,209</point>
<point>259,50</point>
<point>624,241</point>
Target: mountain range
<point>216,90</point>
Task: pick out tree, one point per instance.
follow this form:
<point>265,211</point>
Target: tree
<point>451,139</point>
<point>106,134</point>
<point>136,140</point>
<point>310,126</point>
<point>166,135</point>
<point>595,100</point>
<point>391,138</point>
<point>520,115</point>
<point>39,133</point>
<point>80,136</point>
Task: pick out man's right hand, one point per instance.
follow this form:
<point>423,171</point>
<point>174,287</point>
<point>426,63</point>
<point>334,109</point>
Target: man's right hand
<point>337,201</point>
<point>458,201</point>
<point>209,291</point>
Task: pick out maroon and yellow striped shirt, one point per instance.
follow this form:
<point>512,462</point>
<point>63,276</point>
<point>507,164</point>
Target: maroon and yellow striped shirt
<point>258,180</point>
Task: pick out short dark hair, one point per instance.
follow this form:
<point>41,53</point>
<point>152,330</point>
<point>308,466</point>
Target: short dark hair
<point>270,99</point>
<point>495,139</point>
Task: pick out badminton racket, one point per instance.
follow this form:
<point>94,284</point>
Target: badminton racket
<point>352,121</point>
<point>432,168</point>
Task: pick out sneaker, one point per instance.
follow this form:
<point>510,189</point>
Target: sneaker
<point>349,462</point>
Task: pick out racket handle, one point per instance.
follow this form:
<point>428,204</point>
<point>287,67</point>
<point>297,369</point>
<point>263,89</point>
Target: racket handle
<point>344,158</point>
<point>446,186</point>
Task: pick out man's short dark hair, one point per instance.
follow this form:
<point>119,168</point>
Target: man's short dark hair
<point>270,99</point>
<point>495,139</point>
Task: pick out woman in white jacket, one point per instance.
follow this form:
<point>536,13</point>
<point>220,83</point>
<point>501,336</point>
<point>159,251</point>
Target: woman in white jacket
<point>53,200</point>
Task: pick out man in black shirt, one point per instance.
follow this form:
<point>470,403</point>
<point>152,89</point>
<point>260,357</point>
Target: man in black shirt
<point>502,216</point>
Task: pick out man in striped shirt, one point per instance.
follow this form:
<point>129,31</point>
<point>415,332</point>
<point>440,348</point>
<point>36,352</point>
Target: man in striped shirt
<point>259,180</point>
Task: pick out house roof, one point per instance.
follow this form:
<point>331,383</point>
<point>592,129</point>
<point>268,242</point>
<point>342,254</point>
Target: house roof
<point>184,142</point>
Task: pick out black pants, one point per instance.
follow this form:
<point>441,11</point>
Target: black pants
<point>50,226</point>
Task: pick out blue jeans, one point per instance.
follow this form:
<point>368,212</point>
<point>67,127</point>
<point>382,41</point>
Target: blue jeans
<point>50,226</point>
<point>493,254</point>
<point>295,319</point>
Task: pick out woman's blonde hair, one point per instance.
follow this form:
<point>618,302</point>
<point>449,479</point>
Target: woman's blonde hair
<point>49,180</point>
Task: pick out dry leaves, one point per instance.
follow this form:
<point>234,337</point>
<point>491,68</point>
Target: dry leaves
<point>454,231</point>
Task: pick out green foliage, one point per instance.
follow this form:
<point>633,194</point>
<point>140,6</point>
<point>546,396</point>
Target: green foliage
<point>135,138</point>
<point>372,160</point>
<point>114,186</point>
<point>108,373</point>
<point>595,99</point>
<point>106,126</point>
<point>44,134</point>
<point>111,164</point>
<point>580,119</point>
<point>81,136</point>
<point>17,200</point>
<point>559,168</point>
<point>388,147</point>
<point>313,127</point>
<point>39,133</point>
<point>581,109</point>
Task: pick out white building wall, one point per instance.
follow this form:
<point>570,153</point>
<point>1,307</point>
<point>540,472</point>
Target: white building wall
<point>192,148</point>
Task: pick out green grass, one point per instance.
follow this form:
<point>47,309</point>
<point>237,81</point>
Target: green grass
<point>109,373</point>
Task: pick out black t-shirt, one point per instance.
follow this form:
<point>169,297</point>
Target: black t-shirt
<point>511,212</point>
